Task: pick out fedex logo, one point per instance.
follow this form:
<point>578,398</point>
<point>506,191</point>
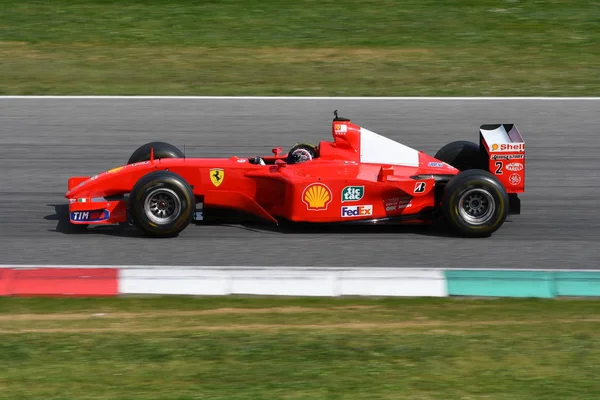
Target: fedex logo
<point>508,147</point>
<point>357,211</point>
<point>89,215</point>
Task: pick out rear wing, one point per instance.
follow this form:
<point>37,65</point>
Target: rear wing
<point>504,148</point>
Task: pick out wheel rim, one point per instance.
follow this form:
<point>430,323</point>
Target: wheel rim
<point>162,206</point>
<point>476,206</point>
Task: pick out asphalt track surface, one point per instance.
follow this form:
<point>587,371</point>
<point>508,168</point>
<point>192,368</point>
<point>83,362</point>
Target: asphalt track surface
<point>45,141</point>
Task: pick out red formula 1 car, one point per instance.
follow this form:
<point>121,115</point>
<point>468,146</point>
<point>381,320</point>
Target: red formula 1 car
<point>358,177</point>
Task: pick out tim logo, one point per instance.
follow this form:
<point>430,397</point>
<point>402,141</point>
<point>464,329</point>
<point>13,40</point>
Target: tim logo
<point>97,215</point>
<point>357,211</point>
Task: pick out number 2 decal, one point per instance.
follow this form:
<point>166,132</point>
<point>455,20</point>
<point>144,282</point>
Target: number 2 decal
<point>498,168</point>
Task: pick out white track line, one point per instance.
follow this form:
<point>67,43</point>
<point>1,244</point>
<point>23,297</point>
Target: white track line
<point>292,268</point>
<point>300,98</point>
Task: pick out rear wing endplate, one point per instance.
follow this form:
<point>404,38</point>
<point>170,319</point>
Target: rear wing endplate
<point>505,151</point>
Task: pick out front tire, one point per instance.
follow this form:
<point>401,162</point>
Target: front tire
<point>161,150</point>
<point>161,204</point>
<point>474,203</point>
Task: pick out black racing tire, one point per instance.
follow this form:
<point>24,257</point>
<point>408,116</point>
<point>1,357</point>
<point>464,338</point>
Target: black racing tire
<point>161,150</point>
<point>301,153</point>
<point>475,203</point>
<point>462,155</point>
<point>161,204</point>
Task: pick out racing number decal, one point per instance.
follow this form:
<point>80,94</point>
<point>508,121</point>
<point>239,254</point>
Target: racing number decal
<point>420,187</point>
<point>498,168</point>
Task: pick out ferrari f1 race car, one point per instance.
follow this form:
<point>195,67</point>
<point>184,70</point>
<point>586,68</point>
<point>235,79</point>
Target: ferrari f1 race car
<point>359,177</point>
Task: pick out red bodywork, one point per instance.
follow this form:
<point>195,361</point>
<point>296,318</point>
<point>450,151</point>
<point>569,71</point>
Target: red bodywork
<point>335,187</point>
<point>506,160</point>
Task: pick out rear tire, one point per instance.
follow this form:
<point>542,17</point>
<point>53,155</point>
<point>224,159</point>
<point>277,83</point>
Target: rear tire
<point>161,150</point>
<point>475,203</point>
<point>462,155</point>
<point>161,204</point>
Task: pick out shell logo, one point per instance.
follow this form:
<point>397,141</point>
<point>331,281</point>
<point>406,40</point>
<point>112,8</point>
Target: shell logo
<point>494,147</point>
<point>316,196</point>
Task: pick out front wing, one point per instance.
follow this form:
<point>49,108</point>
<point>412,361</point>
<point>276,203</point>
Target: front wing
<point>97,211</point>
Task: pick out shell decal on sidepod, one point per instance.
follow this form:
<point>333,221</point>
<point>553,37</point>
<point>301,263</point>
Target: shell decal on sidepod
<point>316,196</point>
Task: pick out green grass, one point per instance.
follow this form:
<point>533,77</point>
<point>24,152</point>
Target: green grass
<point>179,348</point>
<point>305,47</point>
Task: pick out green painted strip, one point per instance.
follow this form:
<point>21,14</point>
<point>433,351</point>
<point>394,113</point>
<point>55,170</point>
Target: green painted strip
<point>577,283</point>
<point>499,283</point>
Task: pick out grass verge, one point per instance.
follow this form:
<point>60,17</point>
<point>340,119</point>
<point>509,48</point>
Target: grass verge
<point>268,348</point>
<point>306,47</point>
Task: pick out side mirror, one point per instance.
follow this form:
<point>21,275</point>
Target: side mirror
<point>277,150</point>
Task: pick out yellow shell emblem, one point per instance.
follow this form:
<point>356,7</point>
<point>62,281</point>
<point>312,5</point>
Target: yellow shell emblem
<point>316,196</point>
<point>494,147</point>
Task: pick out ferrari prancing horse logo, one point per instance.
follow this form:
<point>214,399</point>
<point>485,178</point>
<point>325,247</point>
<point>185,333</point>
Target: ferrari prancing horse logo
<point>216,176</point>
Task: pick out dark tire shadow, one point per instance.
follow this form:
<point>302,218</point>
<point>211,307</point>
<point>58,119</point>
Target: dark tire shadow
<point>438,230</point>
<point>246,222</point>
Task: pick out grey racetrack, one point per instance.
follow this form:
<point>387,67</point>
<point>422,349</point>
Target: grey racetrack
<point>45,141</point>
